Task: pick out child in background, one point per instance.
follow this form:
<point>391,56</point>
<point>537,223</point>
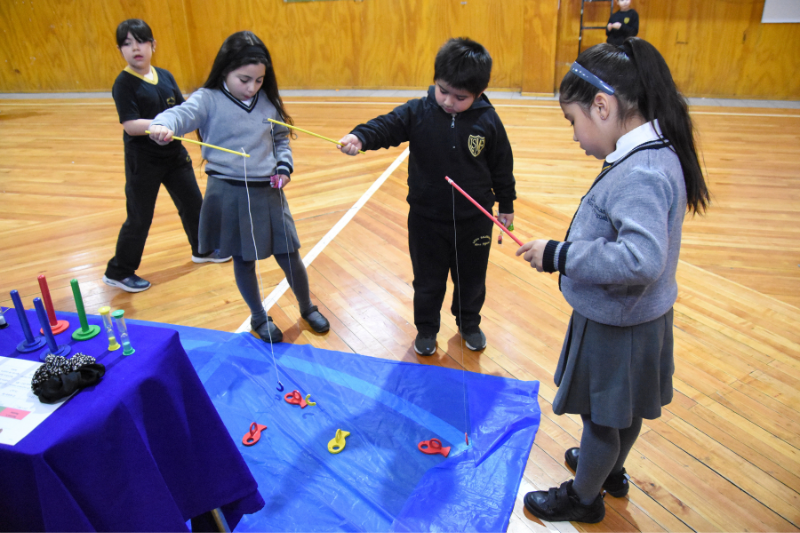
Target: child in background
<point>622,24</point>
<point>617,264</point>
<point>454,131</point>
<point>140,92</point>
<point>245,213</point>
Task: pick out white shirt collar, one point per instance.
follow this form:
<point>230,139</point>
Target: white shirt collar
<point>636,137</point>
<point>245,102</point>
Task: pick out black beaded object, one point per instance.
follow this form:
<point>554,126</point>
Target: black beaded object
<point>55,365</point>
<point>59,377</point>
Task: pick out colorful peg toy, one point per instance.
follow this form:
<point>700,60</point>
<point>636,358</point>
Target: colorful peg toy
<point>30,343</point>
<point>336,444</point>
<point>86,332</point>
<point>56,326</point>
<point>52,347</point>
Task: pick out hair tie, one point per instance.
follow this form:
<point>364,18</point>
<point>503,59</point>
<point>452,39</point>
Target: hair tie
<point>251,51</point>
<point>585,75</point>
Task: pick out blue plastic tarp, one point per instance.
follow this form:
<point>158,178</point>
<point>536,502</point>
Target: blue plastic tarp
<point>380,481</point>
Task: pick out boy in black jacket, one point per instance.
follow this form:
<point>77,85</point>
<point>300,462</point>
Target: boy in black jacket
<point>622,24</point>
<point>454,131</point>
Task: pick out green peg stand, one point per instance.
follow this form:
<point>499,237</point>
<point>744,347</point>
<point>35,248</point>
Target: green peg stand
<point>86,332</point>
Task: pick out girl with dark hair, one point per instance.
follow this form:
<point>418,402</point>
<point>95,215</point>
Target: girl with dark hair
<point>617,265</point>
<point>245,213</point>
<point>142,91</point>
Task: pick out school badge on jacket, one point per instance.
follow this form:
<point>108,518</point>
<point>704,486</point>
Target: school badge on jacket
<point>476,144</point>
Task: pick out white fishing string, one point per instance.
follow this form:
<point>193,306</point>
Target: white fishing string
<point>460,320</point>
<point>283,217</point>
<point>258,266</point>
<point>286,238</point>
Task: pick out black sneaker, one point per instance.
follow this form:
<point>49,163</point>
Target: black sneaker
<point>213,257</point>
<point>268,331</point>
<point>475,341</point>
<point>425,344</point>
<point>615,484</point>
<point>563,505</point>
<point>132,283</point>
<point>315,319</point>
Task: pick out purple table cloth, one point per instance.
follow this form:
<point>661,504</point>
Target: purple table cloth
<point>142,450</point>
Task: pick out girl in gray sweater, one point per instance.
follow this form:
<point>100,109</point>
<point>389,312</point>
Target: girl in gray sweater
<point>245,213</point>
<point>617,264</point>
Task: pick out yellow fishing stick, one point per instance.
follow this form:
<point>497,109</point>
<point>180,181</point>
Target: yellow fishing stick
<point>204,144</point>
<point>310,133</point>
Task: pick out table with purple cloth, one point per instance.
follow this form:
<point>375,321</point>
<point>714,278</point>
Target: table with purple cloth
<point>142,450</point>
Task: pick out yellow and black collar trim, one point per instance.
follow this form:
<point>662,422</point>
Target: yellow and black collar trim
<point>132,72</point>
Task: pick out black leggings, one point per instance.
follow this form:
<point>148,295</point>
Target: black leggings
<point>247,281</point>
<point>603,451</point>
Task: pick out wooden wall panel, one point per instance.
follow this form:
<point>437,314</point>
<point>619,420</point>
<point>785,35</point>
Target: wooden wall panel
<point>539,46</point>
<point>70,45</point>
<point>373,43</point>
<point>715,48</point>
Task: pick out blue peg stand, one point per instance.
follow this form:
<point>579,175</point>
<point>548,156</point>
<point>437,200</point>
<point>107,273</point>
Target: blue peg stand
<point>30,343</point>
<point>52,347</point>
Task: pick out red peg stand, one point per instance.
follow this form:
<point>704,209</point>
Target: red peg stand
<point>57,326</point>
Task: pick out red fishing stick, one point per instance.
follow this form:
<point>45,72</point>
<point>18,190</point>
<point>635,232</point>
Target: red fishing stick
<point>485,212</point>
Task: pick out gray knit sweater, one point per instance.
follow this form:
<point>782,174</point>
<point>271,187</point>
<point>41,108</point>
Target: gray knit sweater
<point>621,253</point>
<point>227,122</point>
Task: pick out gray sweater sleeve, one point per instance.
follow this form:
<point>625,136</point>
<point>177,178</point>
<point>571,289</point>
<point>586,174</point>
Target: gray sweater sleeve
<point>188,116</point>
<point>283,153</point>
<point>639,214</point>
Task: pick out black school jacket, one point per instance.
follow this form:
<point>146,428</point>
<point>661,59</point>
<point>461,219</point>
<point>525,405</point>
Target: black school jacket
<point>471,148</point>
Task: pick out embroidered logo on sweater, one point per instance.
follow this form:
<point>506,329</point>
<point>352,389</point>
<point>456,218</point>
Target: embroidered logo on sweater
<point>476,144</point>
<point>626,20</point>
<point>483,240</point>
<point>599,212</point>
<point>171,101</point>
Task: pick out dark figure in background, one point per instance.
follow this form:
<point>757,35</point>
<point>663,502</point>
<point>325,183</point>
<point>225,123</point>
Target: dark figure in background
<point>622,24</point>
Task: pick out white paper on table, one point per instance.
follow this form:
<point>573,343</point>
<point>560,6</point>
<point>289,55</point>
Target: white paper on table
<point>20,409</point>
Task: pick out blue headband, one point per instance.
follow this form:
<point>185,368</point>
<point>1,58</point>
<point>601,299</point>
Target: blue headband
<point>585,75</point>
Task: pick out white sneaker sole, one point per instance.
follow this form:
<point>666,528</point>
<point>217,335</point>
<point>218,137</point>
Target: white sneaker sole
<point>474,349</point>
<point>120,285</point>
<point>209,259</point>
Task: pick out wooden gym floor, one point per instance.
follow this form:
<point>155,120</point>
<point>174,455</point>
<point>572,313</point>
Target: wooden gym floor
<point>725,455</point>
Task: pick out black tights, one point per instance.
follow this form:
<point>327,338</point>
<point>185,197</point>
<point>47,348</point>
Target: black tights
<point>603,451</point>
<point>247,281</point>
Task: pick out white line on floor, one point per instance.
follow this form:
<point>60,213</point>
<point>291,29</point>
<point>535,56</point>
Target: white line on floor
<point>278,291</point>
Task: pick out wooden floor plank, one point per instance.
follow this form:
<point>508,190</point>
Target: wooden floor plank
<point>724,456</point>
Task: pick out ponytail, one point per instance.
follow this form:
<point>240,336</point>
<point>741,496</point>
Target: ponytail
<point>643,85</point>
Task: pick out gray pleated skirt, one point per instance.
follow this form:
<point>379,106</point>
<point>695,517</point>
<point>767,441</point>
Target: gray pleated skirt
<point>225,221</point>
<point>615,373</point>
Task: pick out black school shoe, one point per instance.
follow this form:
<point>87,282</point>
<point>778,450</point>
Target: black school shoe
<point>425,344</point>
<point>132,283</point>
<point>475,341</point>
<point>268,331</point>
<point>563,505</point>
<point>615,484</point>
<point>315,319</point>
